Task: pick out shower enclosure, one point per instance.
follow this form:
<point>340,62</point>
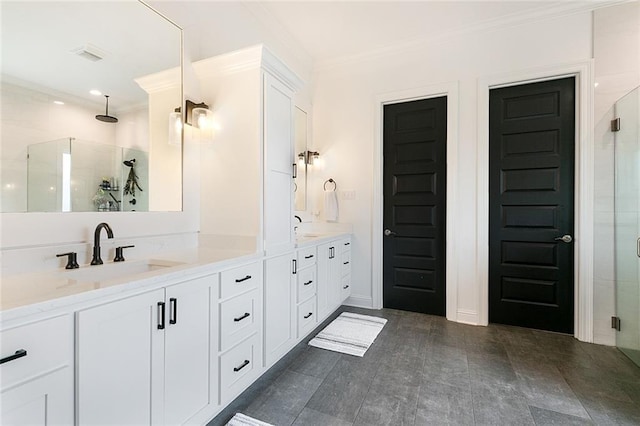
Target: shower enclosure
<point>72,175</point>
<point>627,223</point>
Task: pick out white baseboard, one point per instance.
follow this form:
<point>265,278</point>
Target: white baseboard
<point>468,317</point>
<point>359,302</point>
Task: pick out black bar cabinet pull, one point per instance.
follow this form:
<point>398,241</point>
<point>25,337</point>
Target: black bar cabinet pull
<point>308,282</point>
<point>345,263</point>
<point>19,354</point>
<point>246,314</point>
<point>160,315</point>
<point>239,280</point>
<point>331,253</point>
<point>173,310</point>
<point>243,365</point>
<point>295,266</point>
<point>308,315</point>
<point>295,170</point>
<point>308,257</point>
<point>345,287</point>
<point>346,244</point>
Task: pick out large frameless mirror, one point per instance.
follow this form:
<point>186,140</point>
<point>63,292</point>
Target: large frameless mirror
<point>87,92</point>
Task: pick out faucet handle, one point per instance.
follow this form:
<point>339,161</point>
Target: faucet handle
<point>72,262</point>
<point>119,250</point>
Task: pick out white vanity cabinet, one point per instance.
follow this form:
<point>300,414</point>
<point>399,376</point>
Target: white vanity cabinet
<point>306,285</point>
<point>334,275</point>
<point>36,373</point>
<point>145,359</point>
<point>280,306</point>
<point>240,324</point>
<point>345,268</point>
<point>279,165</point>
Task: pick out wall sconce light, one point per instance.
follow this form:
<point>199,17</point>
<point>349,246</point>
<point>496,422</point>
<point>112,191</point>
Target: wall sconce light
<point>308,157</point>
<point>175,127</point>
<point>200,117</point>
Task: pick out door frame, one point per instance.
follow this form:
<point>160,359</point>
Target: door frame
<point>583,187</point>
<point>450,90</point>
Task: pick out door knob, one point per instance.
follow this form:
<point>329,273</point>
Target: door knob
<point>388,233</point>
<point>565,238</point>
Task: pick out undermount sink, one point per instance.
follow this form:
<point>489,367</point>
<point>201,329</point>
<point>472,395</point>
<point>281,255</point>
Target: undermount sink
<point>118,270</point>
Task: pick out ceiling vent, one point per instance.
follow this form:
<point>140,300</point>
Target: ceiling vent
<point>89,52</point>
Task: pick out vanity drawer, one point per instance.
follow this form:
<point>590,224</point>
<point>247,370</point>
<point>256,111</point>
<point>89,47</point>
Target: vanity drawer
<point>237,367</point>
<point>48,345</point>
<point>307,316</point>
<point>346,262</point>
<point>306,283</point>
<point>238,318</point>
<point>238,280</point>
<point>306,257</point>
<point>345,287</point>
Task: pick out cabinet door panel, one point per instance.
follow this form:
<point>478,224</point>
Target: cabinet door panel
<point>278,211</point>
<point>279,295</point>
<point>278,125</point>
<point>278,170</point>
<point>120,360</point>
<point>187,349</point>
<point>323,291</point>
<point>47,400</point>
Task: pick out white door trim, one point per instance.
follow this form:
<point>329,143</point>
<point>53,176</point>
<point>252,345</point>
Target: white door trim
<point>584,187</point>
<point>450,90</point>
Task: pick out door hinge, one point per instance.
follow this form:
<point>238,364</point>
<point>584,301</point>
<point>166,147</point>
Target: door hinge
<point>615,323</point>
<point>615,125</point>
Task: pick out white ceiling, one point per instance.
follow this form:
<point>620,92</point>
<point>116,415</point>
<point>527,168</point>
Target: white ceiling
<point>320,32</point>
<point>309,32</point>
<point>330,29</point>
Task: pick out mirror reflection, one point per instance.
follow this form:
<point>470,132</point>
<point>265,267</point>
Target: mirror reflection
<point>300,143</point>
<point>80,102</point>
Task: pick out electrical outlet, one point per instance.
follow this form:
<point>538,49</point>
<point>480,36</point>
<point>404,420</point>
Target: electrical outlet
<point>348,195</point>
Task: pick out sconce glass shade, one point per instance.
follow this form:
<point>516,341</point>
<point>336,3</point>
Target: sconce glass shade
<point>203,120</point>
<point>175,127</point>
<point>200,117</point>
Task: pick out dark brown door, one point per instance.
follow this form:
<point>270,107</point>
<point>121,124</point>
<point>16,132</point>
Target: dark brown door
<point>531,190</point>
<point>415,147</point>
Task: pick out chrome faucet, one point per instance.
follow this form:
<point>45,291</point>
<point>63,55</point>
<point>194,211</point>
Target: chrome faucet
<point>96,260</point>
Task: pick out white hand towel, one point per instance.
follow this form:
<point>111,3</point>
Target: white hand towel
<point>330,205</point>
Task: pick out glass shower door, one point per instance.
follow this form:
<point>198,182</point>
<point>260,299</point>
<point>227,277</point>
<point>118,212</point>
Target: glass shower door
<point>627,224</point>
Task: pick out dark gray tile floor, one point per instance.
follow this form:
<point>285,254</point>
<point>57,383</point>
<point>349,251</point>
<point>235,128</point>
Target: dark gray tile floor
<point>425,370</point>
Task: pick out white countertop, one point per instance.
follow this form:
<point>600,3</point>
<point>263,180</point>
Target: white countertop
<point>27,294</point>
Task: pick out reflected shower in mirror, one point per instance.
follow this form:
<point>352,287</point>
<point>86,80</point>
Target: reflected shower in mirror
<point>83,91</point>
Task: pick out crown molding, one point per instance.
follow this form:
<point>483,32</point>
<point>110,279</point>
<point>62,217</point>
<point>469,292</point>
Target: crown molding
<point>545,11</point>
<point>160,81</point>
<point>254,57</point>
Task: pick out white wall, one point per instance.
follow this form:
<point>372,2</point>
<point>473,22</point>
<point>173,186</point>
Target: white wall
<point>617,71</point>
<point>344,116</point>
